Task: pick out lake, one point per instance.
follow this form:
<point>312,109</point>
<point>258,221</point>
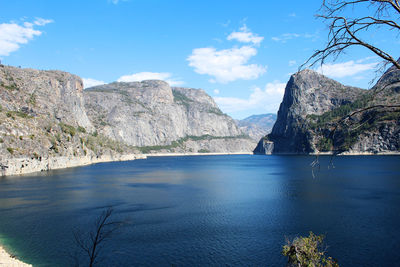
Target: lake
<point>208,210</point>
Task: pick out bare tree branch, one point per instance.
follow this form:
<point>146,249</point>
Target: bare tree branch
<point>91,243</point>
<point>345,32</point>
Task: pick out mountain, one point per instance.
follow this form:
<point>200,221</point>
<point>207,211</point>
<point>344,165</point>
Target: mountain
<point>313,117</point>
<point>48,121</point>
<point>257,126</point>
<point>44,124</point>
<point>152,116</point>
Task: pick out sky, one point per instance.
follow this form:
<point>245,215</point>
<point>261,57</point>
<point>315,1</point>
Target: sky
<point>241,53</point>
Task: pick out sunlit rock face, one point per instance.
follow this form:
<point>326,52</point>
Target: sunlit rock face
<point>151,113</point>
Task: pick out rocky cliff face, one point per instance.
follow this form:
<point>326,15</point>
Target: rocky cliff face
<point>311,108</point>
<point>152,116</point>
<point>42,118</point>
<point>48,121</point>
<point>306,93</point>
<point>53,94</point>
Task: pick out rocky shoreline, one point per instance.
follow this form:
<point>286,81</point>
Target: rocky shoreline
<point>20,166</point>
<point>9,261</point>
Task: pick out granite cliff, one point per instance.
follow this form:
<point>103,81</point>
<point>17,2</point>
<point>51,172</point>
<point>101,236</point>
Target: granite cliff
<point>48,121</point>
<point>153,117</point>
<point>313,117</point>
<point>44,124</point>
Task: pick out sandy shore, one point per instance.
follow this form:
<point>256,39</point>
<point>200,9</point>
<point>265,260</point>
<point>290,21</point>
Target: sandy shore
<point>6,260</point>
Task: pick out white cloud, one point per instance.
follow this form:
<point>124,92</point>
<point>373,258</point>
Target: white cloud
<point>244,35</point>
<point>216,91</point>
<point>42,22</point>
<point>345,69</point>
<point>226,65</point>
<point>268,99</point>
<point>13,35</point>
<point>141,76</point>
<point>283,38</point>
<point>88,82</point>
<point>292,63</point>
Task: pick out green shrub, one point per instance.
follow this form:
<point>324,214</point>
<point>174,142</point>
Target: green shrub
<point>10,150</point>
<point>98,142</point>
<point>181,99</point>
<point>32,99</point>
<point>325,144</point>
<point>22,114</point>
<point>68,129</point>
<point>204,150</point>
<point>11,87</point>
<point>216,111</point>
<point>58,137</point>
<point>9,114</point>
<point>81,129</point>
<point>12,114</point>
<point>307,252</point>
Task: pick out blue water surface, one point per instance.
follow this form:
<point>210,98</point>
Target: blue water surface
<point>207,210</point>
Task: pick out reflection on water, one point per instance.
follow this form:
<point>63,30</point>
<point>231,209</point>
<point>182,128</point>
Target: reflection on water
<point>208,210</point>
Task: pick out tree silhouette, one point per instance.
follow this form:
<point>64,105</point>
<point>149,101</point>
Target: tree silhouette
<point>91,243</point>
<point>345,32</point>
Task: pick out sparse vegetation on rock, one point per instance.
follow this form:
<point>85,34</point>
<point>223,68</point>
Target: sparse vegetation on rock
<point>51,117</point>
<point>318,114</point>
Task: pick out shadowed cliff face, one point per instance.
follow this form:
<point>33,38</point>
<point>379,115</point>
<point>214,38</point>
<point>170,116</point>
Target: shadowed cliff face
<point>151,113</point>
<point>306,93</point>
<point>314,104</point>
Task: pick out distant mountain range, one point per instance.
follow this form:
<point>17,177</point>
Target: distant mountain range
<point>257,126</point>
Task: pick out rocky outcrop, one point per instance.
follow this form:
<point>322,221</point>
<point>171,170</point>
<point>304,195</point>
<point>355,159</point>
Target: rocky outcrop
<point>257,126</point>
<point>310,117</point>
<point>26,165</point>
<point>152,116</point>
<point>53,94</point>
<point>42,114</point>
<point>306,93</point>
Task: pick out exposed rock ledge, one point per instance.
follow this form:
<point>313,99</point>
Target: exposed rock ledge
<point>18,166</point>
<point>9,261</point>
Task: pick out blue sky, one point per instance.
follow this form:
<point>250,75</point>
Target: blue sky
<point>242,53</point>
